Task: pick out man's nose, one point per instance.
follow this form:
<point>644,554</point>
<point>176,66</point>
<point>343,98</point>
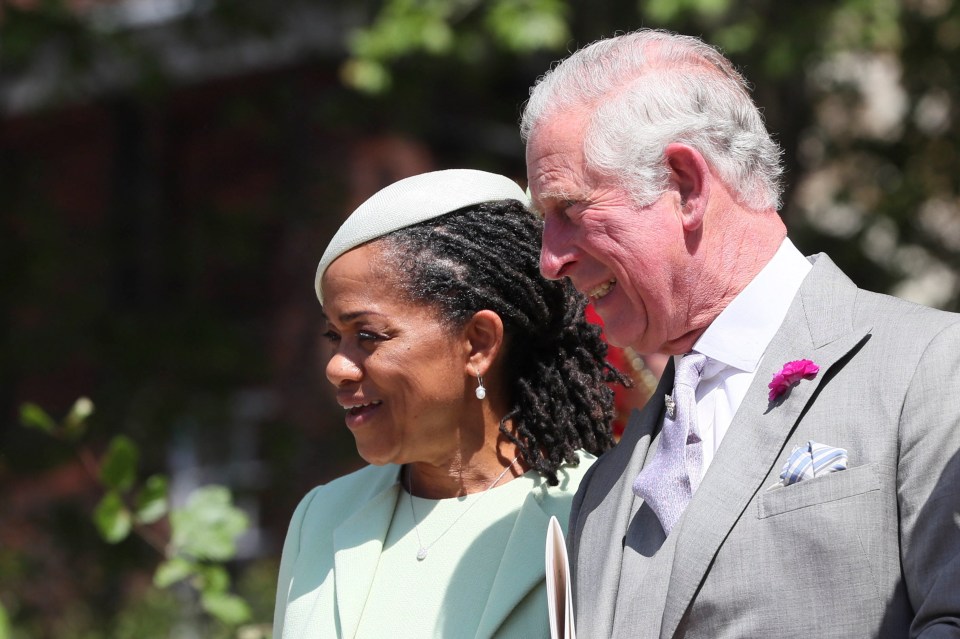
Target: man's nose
<point>556,252</point>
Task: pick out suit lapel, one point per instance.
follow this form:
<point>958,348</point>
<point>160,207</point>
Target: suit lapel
<point>511,585</point>
<point>607,509</point>
<point>815,330</point>
<point>358,542</point>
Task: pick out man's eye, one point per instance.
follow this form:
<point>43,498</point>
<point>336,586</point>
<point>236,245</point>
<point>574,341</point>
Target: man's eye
<point>573,209</point>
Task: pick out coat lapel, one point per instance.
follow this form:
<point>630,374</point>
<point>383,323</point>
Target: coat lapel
<point>358,542</point>
<point>606,513</point>
<point>511,585</point>
<point>818,327</point>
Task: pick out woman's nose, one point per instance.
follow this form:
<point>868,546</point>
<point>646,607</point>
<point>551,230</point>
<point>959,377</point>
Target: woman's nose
<point>342,369</point>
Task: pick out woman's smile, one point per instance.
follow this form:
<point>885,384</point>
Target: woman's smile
<point>361,414</point>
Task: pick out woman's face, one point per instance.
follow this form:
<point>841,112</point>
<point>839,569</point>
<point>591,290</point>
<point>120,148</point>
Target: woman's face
<point>400,374</point>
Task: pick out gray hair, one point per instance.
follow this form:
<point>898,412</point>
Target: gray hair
<point>644,90</point>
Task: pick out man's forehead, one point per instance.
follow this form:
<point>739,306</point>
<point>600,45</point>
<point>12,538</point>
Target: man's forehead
<point>557,177</point>
<point>555,157</point>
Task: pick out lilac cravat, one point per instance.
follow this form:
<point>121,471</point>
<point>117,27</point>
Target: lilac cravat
<point>668,482</point>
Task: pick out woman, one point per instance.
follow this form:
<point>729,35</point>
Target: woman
<point>476,391</point>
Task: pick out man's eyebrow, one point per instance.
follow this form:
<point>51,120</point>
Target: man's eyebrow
<point>545,198</point>
<point>559,195</point>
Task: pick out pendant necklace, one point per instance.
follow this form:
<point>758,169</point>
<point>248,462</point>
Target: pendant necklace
<point>422,552</point>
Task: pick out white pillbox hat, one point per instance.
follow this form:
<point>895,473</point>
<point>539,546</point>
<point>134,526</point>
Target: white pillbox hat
<point>412,200</point>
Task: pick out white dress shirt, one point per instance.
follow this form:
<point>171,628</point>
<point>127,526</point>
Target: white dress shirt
<point>736,340</point>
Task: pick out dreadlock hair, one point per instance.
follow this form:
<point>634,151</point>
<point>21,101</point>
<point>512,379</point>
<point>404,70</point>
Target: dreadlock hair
<point>486,256</point>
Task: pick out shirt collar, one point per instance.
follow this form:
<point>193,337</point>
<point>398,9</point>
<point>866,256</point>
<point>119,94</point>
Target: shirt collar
<point>741,333</point>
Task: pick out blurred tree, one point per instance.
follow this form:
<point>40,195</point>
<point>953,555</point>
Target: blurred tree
<point>860,94</point>
<point>465,31</point>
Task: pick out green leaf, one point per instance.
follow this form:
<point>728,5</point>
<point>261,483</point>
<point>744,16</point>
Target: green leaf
<point>736,38</point>
<point>663,11</point>
<point>5,631</point>
<point>172,571</point>
<point>32,416</point>
<point>211,579</point>
<point>711,8</point>
<point>780,59</point>
<point>436,37</point>
<point>528,26</point>
<point>76,420</point>
<point>230,609</point>
<point>152,501</point>
<point>366,75</point>
<point>208,525</point>
<point>112,518</point>
<point>118,470</point>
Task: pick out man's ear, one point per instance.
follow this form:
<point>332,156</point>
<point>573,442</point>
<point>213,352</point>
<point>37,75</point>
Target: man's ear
<point>690,176</point>
<point>484,339</point>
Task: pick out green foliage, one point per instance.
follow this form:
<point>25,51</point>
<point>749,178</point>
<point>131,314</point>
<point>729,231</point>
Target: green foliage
<point>112,518</point>
<point>152,501</point>
<point>403,28</point>
<point>5,632</point>
<point>74,424</point>
<point>228,608</point>
<point>203,532</point>
<point>523,26</point>
<point>173,570</point>
<point>370,76</point>
<point>208,525</point>
<point>666,11</point>
<point>213,584</point>
<point>70,428</point>
<point>32,416</point>
<point>118,468</point>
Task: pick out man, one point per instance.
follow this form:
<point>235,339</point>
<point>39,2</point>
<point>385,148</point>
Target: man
<point>659,187</point>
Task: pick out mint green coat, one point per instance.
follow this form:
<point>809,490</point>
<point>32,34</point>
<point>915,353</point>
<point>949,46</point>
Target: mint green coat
<point>336,536</point>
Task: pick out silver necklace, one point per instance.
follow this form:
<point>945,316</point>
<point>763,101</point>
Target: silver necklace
<point>422,551</point>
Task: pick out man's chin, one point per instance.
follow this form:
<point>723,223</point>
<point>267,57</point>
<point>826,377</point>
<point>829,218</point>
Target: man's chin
<point>622,338</point>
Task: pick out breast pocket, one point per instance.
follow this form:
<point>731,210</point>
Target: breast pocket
<point>810,492</point>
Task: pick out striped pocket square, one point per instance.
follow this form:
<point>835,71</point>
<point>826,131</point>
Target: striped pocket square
<point>812,460</point>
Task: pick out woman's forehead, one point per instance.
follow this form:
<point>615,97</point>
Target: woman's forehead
<point>357,273</point>
<point>361,282</point>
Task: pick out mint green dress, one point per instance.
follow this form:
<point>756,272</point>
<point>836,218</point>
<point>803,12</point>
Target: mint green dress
<point>350,567</point>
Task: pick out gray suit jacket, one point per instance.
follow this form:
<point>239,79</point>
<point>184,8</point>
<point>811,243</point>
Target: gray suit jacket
<point>871,551</point>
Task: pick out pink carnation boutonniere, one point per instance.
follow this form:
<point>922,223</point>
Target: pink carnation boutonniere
<point>790,374</point>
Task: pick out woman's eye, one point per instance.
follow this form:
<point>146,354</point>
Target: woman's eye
<point>331,336</point>
<point>367,336</point>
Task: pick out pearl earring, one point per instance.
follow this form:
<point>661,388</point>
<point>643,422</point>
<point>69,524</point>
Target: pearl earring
<point>481,391</point>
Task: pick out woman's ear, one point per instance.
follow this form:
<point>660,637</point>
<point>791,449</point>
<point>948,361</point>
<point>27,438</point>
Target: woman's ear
<point>484,340</point>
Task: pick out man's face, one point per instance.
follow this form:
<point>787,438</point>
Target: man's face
<point>628,260</point>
